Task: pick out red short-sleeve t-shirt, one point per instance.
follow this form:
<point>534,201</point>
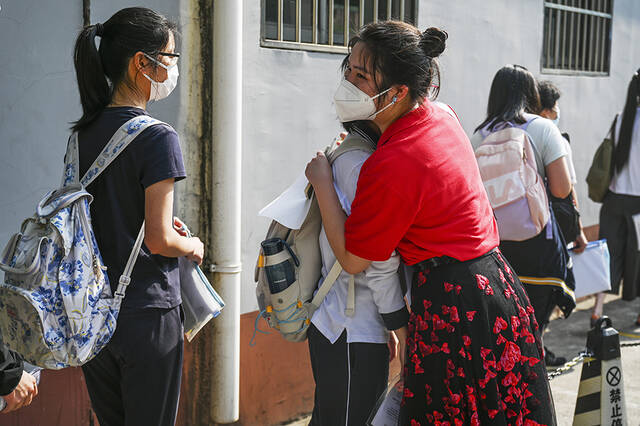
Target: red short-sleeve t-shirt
<point>421,193</point>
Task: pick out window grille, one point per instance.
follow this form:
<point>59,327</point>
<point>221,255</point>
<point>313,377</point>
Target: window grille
<point>577,36</point>
<point>323,25</point>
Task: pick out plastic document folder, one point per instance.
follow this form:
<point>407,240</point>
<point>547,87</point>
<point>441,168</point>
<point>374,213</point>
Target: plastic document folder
<point>387,409</point>
<point>200,301</point>
<point>591,269</point>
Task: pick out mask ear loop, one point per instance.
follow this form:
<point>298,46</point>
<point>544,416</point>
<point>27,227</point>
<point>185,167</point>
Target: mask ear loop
<point>393,101</point>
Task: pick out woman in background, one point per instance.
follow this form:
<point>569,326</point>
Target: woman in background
<point>541,262</point>
<point>619,220</point>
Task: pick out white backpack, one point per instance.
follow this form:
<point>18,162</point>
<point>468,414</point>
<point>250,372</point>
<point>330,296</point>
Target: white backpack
<point>56,306</point>
<point>290,311</point>
<point>507,162</point>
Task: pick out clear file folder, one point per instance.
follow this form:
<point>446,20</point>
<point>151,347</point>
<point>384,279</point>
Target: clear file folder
<point>200,301</point>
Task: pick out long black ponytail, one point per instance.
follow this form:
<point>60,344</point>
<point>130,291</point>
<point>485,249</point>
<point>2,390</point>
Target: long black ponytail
<point>623,147</point>
<point>100,71</point>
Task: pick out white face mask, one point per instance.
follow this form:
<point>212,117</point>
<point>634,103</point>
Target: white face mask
<point>353,104</point>
<point>160,90</point>
<point>557,119</point>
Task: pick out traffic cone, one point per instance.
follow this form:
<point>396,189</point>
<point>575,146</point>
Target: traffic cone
<point>601,393</point>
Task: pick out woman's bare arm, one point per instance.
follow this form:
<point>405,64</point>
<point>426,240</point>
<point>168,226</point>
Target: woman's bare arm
<point>558,177</point>
<point>160,236</point>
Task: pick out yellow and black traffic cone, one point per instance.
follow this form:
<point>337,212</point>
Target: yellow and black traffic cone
<point>601,392</point>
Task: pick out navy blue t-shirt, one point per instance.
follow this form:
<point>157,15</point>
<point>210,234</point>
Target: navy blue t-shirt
<point>117,210</point>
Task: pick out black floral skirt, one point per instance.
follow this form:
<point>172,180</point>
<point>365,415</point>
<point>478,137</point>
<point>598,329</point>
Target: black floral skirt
<point>473,352</point>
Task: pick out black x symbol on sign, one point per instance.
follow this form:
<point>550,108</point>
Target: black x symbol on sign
<point>613,376</point>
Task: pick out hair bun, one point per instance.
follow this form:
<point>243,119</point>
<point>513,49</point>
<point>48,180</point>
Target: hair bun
<point>433,42</point>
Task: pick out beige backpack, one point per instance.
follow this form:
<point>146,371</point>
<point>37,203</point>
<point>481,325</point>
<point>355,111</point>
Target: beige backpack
<point>507,162</point>
<point>290,311</point>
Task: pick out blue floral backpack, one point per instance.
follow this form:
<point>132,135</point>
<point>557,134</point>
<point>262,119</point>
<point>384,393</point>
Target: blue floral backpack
<point>56,306</point>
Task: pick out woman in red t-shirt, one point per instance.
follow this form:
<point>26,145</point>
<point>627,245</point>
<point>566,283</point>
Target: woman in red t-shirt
<point>472,342</point>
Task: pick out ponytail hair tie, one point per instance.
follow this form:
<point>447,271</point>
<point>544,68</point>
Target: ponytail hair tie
<point>99,29</point>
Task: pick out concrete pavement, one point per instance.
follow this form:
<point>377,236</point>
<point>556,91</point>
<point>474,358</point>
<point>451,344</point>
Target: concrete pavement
<point>567,337</point>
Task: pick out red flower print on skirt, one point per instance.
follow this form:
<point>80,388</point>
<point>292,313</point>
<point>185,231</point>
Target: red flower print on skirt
<point>421,279</point>
<point>499,325</point>
<point>482,281</point>
<point>482,348</point>
<point>510,356</point>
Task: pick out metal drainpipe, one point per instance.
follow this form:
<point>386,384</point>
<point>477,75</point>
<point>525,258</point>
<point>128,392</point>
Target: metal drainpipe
<point>226,197</point>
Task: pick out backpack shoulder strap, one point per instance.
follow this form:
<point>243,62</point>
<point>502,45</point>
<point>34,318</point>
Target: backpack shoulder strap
<point>536,154</point>
<point>71,161</point>
<point>526,125</point>
<point>116,145</point>
<point>125,278</point>
<point>328,283</point>
<point>353,142</point>
<point>612,130</point>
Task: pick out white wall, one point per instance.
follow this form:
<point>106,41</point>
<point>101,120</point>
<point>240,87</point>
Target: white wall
<point>37,101</point>
<point>39,97</point>
<point>288,115</point>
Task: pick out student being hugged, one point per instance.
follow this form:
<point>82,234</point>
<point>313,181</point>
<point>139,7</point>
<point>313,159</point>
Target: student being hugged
<point>349,353</point>
<point>136,378</point>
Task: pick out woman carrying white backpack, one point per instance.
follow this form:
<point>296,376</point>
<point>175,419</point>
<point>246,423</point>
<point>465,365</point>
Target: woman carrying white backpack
<point>541,261</point>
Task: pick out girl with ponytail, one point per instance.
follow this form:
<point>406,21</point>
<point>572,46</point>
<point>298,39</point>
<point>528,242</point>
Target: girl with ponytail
<point>622,202</point>
<point>136,378</point>
<point>471,341</point>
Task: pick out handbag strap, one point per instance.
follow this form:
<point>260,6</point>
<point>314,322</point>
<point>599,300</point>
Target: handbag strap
<point>612,130</point>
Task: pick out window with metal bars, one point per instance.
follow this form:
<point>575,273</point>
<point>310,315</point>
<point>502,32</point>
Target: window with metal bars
<point>326,25</point>
<point>577,37</point>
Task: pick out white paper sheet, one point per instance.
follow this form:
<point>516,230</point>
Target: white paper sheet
<point>291,207</point>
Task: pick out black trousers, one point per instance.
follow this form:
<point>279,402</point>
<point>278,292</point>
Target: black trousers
<point>616,225</point>
<point>349,379</point>
<point>135,379</point>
